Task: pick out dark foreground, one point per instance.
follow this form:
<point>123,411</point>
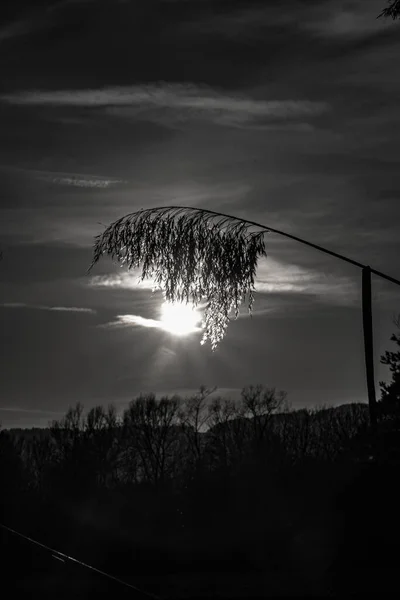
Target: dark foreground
<point>288,515</point>
<point>351,552</point>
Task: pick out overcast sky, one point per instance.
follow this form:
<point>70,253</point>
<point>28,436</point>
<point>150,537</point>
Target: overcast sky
<point>285,113</point>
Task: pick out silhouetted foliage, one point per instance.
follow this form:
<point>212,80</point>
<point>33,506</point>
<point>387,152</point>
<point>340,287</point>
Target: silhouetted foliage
<point>193,255</point>
<point>391,11</point>
<point>12,468</point>
<point>149,424</point>
<point>390,392</point>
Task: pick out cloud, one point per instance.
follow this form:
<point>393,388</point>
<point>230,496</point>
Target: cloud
<point>76,180</point>
<point>123,321</point>
<point>219,392</point>
<point>15,29</point>
<point>29,410</point>
<point>272,277</point>
<point>334,19</point>
<point>67,179</point>
<point>69,309</point>
<point>284,278</point>
<point>347,21</point>
<point>129,320</point>
<point>174,103</point>
<point>74,309</point>
<point>36,21</point>
<point>14,305</point>
<point>128,280</point>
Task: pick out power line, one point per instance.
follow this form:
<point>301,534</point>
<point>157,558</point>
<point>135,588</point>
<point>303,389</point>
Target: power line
<point>64,557</point>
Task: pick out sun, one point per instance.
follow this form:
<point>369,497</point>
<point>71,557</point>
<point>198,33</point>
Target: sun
<point>180,318</point>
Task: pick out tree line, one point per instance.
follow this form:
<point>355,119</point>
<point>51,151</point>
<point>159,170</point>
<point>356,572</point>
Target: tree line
<point>162,442</point>
<point>190,484</point>
<point>207,483</point>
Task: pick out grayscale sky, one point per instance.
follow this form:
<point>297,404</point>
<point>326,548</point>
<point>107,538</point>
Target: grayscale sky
<point>283,113</point>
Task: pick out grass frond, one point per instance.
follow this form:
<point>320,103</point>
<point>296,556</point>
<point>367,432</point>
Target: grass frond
<point>193,255</point>
<point>392,11</point>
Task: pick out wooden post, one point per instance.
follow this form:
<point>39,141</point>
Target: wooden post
<point>369,345</point>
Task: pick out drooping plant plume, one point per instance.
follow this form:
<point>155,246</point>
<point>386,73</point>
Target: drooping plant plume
<point>192,255</point>
<point>391,11</point>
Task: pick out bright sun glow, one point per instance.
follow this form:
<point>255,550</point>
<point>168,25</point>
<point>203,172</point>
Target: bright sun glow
<point>180,318</point>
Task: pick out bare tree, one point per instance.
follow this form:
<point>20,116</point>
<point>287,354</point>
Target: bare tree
<point>40,455</point>
<point>102,441</point>
<point>67,432</point>
<point>194,418</point>
<point>153,427</point>
<point>86,448</point>
<point>12,472</point>
<point>228,434</point>
<point>300,435</point>
<point>258,404</point>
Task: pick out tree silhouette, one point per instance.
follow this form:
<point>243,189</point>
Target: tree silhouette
<point>193,253</point>
<point>152,425</point>
<point>390,399</point>
<point>194,418</point>
<point>227,433</point>
<point>393,10</point>
<point>258,404</point>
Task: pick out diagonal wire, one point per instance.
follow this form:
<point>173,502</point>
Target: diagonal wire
<point>64,557</point>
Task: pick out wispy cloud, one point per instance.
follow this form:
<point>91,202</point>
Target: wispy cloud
<point>334,19</point>
<point>219,392</point>
<point>74,309</point>
<point>36,21</point>
<point>284,278</point>
<point>16,29</point>
<point>77,180</point>
<point>127,280</point>
<point>346,20</point>
<point>69,309</point>
<point>130,320</point>
<point>126,321</point>
<point>174,103</point>
<point>30,410</point>
<point>272,277</point>
<point>80,180</point>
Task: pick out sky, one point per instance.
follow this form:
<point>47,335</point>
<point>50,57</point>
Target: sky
<point>281,113</point>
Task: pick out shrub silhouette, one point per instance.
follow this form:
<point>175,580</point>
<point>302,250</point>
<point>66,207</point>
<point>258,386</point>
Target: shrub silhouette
<point>390,392</point>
